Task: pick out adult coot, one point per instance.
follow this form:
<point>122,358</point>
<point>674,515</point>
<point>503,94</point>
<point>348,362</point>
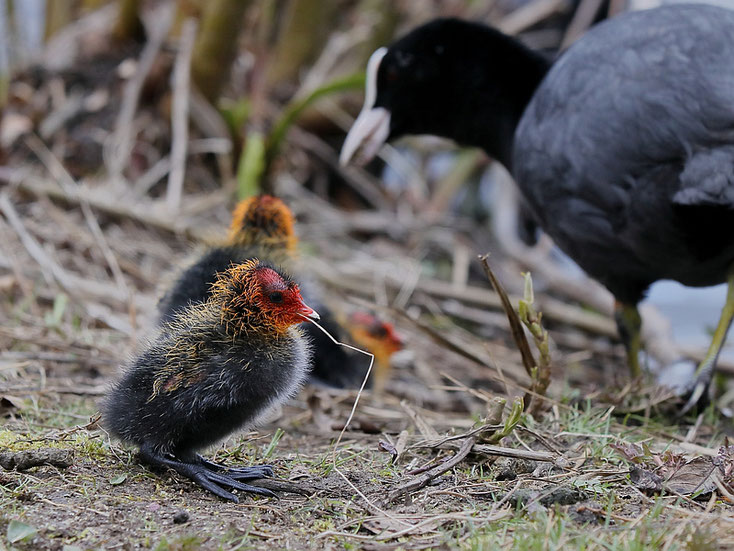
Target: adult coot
<point>623,149</point>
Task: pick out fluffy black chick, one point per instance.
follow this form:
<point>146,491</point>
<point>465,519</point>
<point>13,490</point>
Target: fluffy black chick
<point>263,227</point>
<point>217,366</point>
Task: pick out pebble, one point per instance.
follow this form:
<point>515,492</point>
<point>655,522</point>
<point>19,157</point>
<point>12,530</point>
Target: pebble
<point>181,517</point>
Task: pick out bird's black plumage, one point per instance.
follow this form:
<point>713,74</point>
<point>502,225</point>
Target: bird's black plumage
<point>215,367</point>
<point>623,148</point>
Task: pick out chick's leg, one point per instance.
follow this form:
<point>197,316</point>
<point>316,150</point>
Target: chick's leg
<point>705,370</point>
<point>200,474</point>
<point>238,473</point>
<point>629,324</point>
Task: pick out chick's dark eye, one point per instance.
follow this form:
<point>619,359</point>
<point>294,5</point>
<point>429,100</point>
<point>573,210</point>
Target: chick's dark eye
<point>276,297</point>
<point>380,331</point>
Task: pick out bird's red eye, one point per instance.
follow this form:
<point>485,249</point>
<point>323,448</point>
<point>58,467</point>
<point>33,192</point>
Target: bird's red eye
<point>391,73</point>
<point>276,297</point>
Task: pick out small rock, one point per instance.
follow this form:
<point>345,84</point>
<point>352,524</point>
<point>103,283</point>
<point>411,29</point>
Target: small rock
<point>508,469</point>
<point>585,513</point>
<point>563,495</point>
<point>181,517</point>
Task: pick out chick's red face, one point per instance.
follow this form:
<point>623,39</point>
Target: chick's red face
<point>280,300</point>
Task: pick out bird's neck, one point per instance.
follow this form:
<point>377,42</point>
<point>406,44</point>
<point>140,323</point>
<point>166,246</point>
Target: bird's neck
<point>495,100</point>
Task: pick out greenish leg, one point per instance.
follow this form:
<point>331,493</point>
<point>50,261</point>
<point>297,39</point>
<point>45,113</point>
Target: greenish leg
<point>705,370</point>
<point>629,324</point>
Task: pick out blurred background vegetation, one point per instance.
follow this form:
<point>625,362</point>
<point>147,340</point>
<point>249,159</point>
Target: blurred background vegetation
<point>262,65</point>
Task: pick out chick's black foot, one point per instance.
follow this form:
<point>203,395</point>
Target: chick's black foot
<point>204,476</point>
<point>238,473</point>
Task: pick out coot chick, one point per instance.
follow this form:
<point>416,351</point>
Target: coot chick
<point>217,366</point>
<point>263,227</point>
<point>623,149</point>
<point>379,338</point>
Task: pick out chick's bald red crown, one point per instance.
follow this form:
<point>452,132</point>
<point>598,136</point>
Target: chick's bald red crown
<point>255,296</point>
<point>263,220</point>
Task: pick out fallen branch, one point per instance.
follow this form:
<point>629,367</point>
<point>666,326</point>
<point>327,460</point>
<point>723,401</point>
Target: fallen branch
<point>26,459</point>
<point>428,476</point>
<point>180,115</point>
<point>491,431</point>
<point>518,333</point>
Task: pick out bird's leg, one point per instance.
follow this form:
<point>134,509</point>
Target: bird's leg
<point>629,324</point>
<point>382,373</point>
<point>238,473</point>
<point>200,474</point>
<point>705,370</point>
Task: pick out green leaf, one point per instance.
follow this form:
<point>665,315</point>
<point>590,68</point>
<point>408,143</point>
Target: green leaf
<point>118,479</point>
<point>235,114</point>
<point>252,165</point>
<point>53,319</point>
<point>273,442</point>
<point>528,294</point>
<point>18,531</point>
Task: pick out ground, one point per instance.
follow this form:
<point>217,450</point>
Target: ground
<point>580,495</point>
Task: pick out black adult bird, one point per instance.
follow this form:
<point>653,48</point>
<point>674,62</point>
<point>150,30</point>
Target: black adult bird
<point>215,367</point>
<point>623,148</point>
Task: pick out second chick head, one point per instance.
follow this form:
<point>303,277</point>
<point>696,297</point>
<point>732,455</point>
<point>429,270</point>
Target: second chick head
<point>257,297</point>
<point>374,333</point>
<point>263,220</point>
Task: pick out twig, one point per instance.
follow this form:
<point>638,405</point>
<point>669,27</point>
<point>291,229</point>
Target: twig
<point>582,20</point>
<point>518,333</point>
<point>49,266</point>
<point>40,188</point>
<point>530,14</point>
<point>491,449</point>
<point>553,309</point>
<point>180,115</point>
<point>440,442</point>
<point>121,141</point>
<point>427,477</point>
<point>70,187</point>
<point>425,429</point>
<point>26,459</point>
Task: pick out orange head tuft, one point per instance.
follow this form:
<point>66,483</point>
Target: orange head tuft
<point>256,296</point>
<point>263,220</point>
